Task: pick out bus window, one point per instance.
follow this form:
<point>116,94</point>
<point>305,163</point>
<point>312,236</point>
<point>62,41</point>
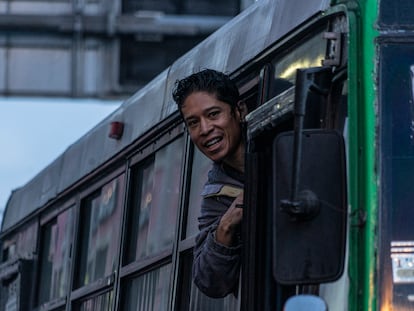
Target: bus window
<point>397,158</point>
<point>395,13</point>
<point>192,299</point>
<point>152,225</point>
<point>200,167</point>
<point>55,245</point>
<point>199,301</point>
<point>99,233</point>
<point>16,273</point>
<point>154,206</point>
<point>271,118</point>
<point>309,53</point>
<point>22,244</point>
<point>101,302</point>
<point>150,291</point>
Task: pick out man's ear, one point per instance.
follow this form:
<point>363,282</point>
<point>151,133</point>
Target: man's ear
<point>242,109</point>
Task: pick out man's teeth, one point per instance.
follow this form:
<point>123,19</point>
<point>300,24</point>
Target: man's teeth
<point>212,142</point>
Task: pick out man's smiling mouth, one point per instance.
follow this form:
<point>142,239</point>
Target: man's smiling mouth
<point>213,142</point>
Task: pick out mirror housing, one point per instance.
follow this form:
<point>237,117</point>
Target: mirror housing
<point>309,243</point>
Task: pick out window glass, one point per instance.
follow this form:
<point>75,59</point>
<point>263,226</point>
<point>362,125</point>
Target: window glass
<point>155,193</point>
<point>309,53</point>
<point>397,162</point>
<point>200,167</point>
<point>55,248</point>
<point>150,291</point>
<point>397,13</point>
<point>101,302</point>
<point>199,301</point>
<point>16,286</point>
<point>192,299</point>
<point>99,232</point>
<point>22,244</point>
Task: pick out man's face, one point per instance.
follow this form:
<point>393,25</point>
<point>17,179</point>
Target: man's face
<point>213,127</point>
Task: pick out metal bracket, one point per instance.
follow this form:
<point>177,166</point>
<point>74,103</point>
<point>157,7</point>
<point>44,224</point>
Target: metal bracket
<point>334,48</point>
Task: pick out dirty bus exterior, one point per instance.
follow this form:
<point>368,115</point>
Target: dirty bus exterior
<point>110,224</point>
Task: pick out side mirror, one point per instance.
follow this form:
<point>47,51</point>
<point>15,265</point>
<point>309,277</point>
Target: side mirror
<point>309,191</point>
<point>309,231</point>
<point>305,303</point>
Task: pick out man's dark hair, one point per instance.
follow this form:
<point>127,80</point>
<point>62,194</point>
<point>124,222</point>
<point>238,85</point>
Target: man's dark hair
<point>210,81</point>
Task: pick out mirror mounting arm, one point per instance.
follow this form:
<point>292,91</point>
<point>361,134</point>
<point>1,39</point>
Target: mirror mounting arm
<point>303,205</point>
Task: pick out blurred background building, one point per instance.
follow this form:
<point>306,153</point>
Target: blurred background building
<point>99,48</point>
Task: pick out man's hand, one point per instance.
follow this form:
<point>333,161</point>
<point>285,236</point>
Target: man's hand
<point>229,222</point>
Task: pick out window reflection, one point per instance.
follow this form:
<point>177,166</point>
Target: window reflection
<point>22,244</point>
<point>189,297</point>
<point>100,229</point>
<point>144,209</point>
<point>101,302</point>
<point>199,301</point>
<point>397,163</point>
<point>395,13</point>
<point>150,291</point>
<point>309,53</point>
<point>201,166</point>
<point>155,200</point>
<point>54,257</point>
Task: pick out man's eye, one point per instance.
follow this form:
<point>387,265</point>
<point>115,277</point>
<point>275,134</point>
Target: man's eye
<point>213,114</point>
<point>191,123</point>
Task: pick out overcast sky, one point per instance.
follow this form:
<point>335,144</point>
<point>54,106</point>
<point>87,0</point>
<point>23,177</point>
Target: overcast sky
<point>33,132</point>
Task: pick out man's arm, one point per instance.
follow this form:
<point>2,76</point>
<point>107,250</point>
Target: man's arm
<point>216,265</point>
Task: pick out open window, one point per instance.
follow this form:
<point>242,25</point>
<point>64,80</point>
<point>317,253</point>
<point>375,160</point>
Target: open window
<point>315,51</point>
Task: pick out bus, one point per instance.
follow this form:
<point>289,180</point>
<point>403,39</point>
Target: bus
<point>111,223</point>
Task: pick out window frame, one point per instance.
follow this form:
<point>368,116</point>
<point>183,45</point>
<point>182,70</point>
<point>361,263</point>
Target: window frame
<point>164,136</point>
<point>45,220</point>
<point>78,294</point>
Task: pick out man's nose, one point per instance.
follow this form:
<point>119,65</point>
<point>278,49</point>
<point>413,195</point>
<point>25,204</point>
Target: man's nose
<point>205,126</point>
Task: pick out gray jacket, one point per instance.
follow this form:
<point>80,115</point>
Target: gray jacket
<point>216,267</point>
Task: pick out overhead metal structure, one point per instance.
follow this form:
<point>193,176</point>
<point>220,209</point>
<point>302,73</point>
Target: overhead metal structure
<point>98,48</point>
